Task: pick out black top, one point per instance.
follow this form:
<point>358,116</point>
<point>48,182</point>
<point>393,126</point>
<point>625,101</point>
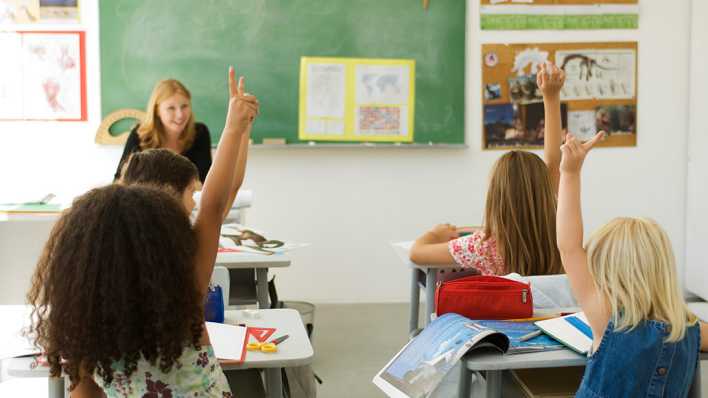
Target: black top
<point>199,153</point>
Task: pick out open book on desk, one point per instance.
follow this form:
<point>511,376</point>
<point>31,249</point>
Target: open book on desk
<point>421,365</point>
<point>572,330</point>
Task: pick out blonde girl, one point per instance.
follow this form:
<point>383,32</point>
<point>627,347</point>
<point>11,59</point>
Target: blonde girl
<point>520,216</point>
<point>645,340</point>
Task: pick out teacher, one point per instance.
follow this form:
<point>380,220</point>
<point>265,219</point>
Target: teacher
<point>169,123</point>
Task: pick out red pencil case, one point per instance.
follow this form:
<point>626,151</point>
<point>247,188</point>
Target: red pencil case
<point>484,297</point>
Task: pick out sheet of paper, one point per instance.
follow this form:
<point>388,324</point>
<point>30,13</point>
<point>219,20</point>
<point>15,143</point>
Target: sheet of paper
<point>52,76</point>
<point>10,76</point>
<point>598,74</point>
<point>582,124</point>
<point>228,340</point>
<point>325,98</point>
<point>382,93</point>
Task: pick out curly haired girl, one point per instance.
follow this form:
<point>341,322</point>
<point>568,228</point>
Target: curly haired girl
<point>119,290</point>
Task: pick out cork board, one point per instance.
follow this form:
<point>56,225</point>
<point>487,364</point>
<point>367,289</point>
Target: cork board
<point>600,92</point>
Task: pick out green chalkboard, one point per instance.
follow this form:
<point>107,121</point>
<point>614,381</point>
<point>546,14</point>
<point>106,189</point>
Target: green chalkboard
<point>195,41</point>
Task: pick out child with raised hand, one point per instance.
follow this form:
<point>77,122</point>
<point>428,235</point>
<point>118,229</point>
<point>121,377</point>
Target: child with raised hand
<point>645,339</point>
<point>120,288</point>
<point>520,216</point>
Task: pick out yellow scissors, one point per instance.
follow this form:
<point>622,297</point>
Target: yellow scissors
<point>269,347</point>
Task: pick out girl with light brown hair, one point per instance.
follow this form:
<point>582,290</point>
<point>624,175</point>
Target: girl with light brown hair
<point>169,123</point>
<point>520,217</point>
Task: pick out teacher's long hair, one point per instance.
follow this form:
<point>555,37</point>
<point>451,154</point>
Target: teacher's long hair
<point>151,131</point>
<point>116,282</point>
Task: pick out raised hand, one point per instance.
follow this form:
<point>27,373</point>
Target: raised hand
<point>550,79</point>
<point>574,152</point>
<point>243,107</point>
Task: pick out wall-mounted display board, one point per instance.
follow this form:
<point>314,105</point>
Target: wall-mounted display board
<point>600,92</point>
<point>357,99</point>
<point>558,14</point>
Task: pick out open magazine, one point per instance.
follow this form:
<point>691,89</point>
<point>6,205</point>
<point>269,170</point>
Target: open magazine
<point>421,365</point>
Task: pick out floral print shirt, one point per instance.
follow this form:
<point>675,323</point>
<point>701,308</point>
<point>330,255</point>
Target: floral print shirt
<point>197,374</point>
<point>473,251</point>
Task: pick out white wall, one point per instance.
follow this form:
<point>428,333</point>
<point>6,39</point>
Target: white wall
<point>697,193</point>
<point>349,203</point>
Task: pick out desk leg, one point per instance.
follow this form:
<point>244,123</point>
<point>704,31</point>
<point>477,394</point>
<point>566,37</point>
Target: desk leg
<point>262,287</point>
<point>415,302</point>
<point>274,381</point>
<point>430,274</point>
<point>465,386</point>
<point>56,387</point>
<point>494,383</point>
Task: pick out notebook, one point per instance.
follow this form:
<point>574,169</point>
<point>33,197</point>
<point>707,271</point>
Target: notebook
<point>572,330</point>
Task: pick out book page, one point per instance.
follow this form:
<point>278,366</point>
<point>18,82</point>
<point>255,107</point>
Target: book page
<point>421,365</point>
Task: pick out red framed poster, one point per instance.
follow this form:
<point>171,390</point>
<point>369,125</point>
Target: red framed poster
<point>46,79</point>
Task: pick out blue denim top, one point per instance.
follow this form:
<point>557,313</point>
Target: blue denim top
<point>639,363</point>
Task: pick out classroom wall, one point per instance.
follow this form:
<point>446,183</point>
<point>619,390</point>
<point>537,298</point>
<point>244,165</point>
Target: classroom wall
<point>351,202</point>
<point>697,192</point>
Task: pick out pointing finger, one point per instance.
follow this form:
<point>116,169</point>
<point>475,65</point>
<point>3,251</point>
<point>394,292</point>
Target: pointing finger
<point>241,85</point>
<point>232,82</point>
<point>594,140</point>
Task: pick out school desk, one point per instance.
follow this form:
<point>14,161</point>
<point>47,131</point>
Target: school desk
<point>295,351</point>
<point>259,262</point>
<point>494,364</point>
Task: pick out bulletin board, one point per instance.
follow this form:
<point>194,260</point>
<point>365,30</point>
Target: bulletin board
<point>558,14</point>
<point>600,92</point>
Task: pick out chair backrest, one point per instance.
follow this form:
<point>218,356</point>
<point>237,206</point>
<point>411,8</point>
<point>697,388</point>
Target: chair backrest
<point>220,277</point>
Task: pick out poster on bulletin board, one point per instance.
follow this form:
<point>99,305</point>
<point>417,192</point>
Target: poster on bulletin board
<point>47,81</point>
<point>558,14</point>
<point>357,99</point>
<point>600,92</point>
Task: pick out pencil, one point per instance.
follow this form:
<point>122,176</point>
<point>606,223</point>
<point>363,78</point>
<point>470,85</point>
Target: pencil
<point>531,335</point>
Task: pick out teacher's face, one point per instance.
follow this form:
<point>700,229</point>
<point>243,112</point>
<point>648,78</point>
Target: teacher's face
<point>174,113</point>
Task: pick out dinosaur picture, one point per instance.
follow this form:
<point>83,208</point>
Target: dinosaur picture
<point>598,74</point>
<point>586,66</point>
